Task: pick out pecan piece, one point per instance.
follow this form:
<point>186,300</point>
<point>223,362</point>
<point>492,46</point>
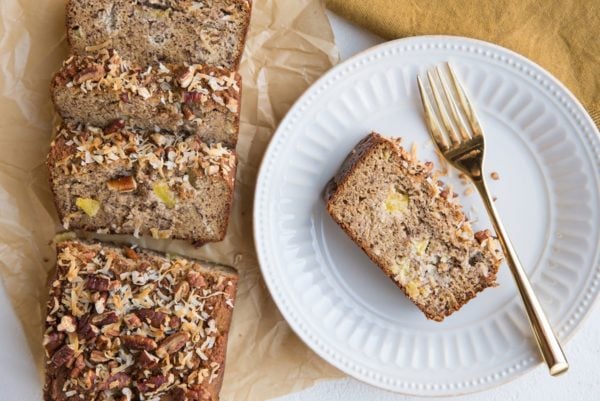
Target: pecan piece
<point>95,72</point>
<point>132,321</point>
<point>191,97</point>
<point>174,322</point>
<point>114,126</point>
<point>130,253</point>
<point>172,344</point>
<point>122,184</point>
<point>104,319</point>
<point>139,342</point>
<point>86,330</point>
<point>196,279</point>
<point>147,360</point>
<point>482,235</point>
<point>151,384</point>
<point>96,282</point>
<point>63,356</point>
<point>98,356</point>
<point>116,381</point>
<point>88,379</point>
<point>79,365</point>
<point>154,318</point>
<point>52,341</point>
<point>188,114</point>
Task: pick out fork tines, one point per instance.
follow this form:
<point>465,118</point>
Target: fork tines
<point>452,118</point>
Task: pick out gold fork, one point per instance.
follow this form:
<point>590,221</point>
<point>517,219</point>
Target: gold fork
<point>463,146</point>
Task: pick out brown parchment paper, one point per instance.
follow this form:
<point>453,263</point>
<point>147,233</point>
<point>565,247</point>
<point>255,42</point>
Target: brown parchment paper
<point>289,46</point>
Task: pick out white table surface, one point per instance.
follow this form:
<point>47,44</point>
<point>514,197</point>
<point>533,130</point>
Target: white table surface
<point>581,382</point>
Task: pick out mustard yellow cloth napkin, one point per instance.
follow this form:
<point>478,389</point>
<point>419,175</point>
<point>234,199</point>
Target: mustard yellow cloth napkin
<point>563,36</point>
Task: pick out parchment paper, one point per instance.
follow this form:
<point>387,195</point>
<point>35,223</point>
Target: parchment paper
<point>290,44</point>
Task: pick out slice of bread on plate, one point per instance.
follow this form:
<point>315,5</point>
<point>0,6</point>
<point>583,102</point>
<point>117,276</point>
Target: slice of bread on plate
<point>411,226</point>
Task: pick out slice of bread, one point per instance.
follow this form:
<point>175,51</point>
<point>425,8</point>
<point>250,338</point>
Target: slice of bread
<point>101,88</point>
<point>210,32</point>
<point>121,181</point>
<point>131,324</point>
<point>411,226</point>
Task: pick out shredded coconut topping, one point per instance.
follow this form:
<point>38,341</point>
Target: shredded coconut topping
<point>169,154</point>
<point>171,84</point>
<point>157,334</point>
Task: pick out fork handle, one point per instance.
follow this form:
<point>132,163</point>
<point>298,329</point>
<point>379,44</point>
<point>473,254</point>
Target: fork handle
<point>546,339</point>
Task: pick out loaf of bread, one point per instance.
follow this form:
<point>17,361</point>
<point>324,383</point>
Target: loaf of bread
<point>118,180</point>
<point>210,32</point>
<point>130,324</point>
<point>101,88</point>
<point>411,226</point>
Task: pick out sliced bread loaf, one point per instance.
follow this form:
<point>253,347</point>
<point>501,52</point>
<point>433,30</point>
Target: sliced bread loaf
<point>119,180</point>
<point>131,324</point>
<point>411,226</point>
<point>101,88</point>
<point>210,32</point>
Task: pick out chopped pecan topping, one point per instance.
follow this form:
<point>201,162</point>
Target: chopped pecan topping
<point>79,365</point>
<point>98,357</point>
<point>172,344</point>
<point>188,114</point>
<point>196,279</point>
<point>114,127</point>
<point>104,319</point>
<point>63,356</point>
<point>116,381</point>
<point>482,235</point>
<point>132,321</point>
<point>192,97</point>
<point>133,326</point>
<point>147,360</point>
<point>154,318</point>
<point>151,384</point>
<point>174,322</point>
<point>86,330</point>
<point>97,283</point>
<point>52,341</point>
<point>95,72</point>
<point>139,342</point>
<point>130,253</point>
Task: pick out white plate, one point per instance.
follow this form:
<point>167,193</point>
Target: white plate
<point>546,150</point>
